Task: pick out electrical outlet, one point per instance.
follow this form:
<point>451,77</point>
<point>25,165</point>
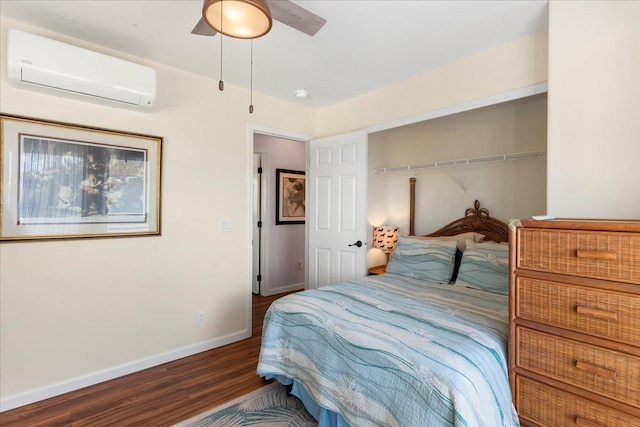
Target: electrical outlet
<point>200,317</point>
<point>300,269</point>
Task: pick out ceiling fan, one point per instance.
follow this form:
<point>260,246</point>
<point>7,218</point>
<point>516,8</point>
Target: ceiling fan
<point>284,11</point>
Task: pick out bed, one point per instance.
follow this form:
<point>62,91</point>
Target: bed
<point>408,347</point>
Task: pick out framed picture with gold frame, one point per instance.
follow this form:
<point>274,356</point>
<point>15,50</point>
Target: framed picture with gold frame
<point>67,181</point>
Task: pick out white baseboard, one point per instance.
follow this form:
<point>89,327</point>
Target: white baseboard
<point>56,389</point>
<point>283,289</point>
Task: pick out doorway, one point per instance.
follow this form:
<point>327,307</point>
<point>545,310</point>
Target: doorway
<point>278,250</point>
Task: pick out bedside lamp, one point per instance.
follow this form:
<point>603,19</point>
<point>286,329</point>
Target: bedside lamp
<point>385,238</point>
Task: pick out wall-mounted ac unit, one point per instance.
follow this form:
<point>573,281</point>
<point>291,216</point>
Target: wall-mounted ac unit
<point>49,66</point>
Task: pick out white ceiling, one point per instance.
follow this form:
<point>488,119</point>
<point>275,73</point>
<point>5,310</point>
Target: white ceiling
<point>365,45</point>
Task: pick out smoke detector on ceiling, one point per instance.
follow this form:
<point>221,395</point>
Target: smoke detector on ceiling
<point>301,93</point>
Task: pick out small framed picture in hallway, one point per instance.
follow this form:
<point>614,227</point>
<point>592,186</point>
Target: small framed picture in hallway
<point>291,188</point>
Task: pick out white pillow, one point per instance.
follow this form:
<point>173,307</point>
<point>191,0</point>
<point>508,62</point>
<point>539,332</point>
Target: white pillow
<point>460,238</point>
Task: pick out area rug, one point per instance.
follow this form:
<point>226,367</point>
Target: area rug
<point>269,406</point>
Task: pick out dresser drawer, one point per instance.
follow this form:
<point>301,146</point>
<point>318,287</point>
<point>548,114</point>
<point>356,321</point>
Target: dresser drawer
<point>606,372</point>
<point>603,255</point>
<point>608,314</point>
<point>549,407</point>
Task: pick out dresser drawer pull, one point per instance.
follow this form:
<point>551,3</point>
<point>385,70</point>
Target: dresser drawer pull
<point>583,422</point>
<point>602,255</point>
<point>596,312</point>
<point>600,371</point>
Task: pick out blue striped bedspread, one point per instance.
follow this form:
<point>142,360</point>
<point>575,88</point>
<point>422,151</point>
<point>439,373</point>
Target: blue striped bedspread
<point>392,351</point>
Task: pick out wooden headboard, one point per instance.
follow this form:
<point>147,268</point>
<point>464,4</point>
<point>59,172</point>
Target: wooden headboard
<point>475,219</point>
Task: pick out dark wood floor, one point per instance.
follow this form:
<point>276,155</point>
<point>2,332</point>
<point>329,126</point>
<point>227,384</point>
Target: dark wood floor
<point>158,396</point>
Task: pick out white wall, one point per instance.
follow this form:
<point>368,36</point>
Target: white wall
<point>72,312</point>
<point>512,189</point>
<point>285,242</point>
<point>594,109</point>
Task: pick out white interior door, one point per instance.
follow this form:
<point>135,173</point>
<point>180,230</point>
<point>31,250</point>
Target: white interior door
<point>337,208</point>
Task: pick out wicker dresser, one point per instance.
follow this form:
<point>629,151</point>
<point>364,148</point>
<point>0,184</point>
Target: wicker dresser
<point>574,345</point>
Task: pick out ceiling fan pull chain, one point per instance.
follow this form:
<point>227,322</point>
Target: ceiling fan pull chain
<point>221,83</point>
<point>251,83</point>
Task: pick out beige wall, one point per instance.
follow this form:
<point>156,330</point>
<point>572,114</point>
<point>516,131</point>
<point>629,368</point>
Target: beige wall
<point>594,109</point>
<point>512,189</point>
<point>73,312</point>
<point>78,308</point>
<point>74,308</point>
<point>515,65</point>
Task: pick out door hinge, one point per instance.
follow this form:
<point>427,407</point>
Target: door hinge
<point>260,169</point>
<point>259,224</point>
<point>259,278</point>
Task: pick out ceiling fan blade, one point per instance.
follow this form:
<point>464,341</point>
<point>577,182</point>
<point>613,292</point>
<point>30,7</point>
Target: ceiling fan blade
<point>284,11</point>
<point>203,29</point>
<point>295,16</point>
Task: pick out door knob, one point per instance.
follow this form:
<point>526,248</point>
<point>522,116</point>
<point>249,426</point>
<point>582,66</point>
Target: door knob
<point>358,244</point>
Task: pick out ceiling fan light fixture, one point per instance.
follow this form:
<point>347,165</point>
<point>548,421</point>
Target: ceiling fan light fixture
<point>241,19</point>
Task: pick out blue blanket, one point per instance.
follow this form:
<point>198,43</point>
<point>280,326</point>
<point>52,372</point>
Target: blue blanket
<point>391,351</point>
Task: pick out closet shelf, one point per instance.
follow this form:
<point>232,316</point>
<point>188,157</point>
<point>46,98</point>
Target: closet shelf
<point>462,162</point>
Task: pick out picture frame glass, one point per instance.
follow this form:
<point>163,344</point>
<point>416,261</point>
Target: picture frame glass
<point>291,189</point>
<point>62,180</point>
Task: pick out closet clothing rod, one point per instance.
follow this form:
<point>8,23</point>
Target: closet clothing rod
<point>462,162</point>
